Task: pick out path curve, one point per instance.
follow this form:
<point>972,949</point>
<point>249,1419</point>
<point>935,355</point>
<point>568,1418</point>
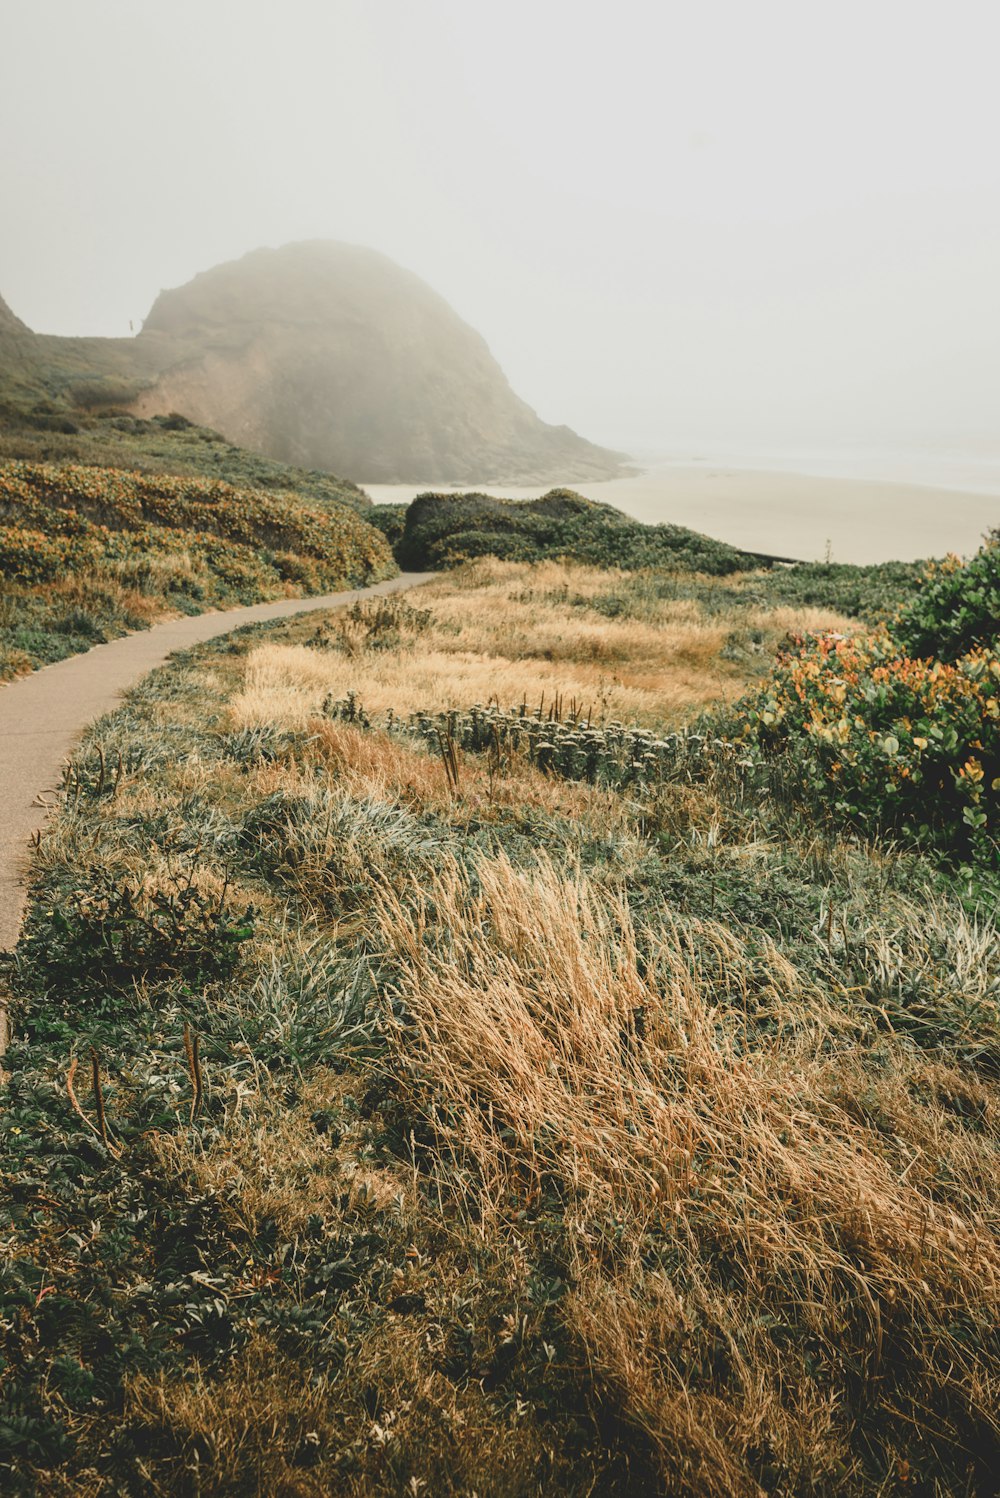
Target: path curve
<point>43,715</point>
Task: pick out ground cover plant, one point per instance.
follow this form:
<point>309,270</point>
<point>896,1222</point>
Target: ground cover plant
<point>86,553</point>
<point>395,1110</point>
<point>956,609</point>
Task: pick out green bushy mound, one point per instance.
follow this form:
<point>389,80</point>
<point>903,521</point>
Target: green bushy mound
<point>390,520</point>
<point>441,530</point>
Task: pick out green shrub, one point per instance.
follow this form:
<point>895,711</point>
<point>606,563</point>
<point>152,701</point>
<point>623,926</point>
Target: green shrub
<point>441,530</point>
<point>889,743</point>
<point>100,941</point>
<point>956,607</point>
<point>898,730</point>
<point>390,520</point>
<point>105,391</point>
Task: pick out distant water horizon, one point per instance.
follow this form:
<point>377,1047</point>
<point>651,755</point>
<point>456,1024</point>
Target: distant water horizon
<point>850,504</point>
<point>973,468</point>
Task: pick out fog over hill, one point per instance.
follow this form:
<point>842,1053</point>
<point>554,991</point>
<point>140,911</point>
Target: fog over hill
<point>323,355</point>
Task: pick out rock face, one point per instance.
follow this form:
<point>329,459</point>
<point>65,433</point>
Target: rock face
<point>331,356</point>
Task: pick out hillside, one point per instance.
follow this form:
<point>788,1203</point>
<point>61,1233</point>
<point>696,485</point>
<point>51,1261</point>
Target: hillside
<point>321,355</point>
<point>88,553</point>
<point>10,325</point>
<point>20,374</point>
<point>64,400</point>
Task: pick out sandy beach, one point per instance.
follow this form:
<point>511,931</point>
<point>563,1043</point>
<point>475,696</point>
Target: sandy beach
<point>788,514</point>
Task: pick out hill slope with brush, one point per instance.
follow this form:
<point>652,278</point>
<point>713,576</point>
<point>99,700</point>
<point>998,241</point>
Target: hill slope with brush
<point>168,444</point>
<point>87,553</point>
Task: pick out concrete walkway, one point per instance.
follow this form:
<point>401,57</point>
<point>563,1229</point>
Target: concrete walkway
<point>43,715</point>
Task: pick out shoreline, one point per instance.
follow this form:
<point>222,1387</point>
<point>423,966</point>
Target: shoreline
<point>803,515</point>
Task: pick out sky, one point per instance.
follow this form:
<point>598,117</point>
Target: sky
<point>760,222</point>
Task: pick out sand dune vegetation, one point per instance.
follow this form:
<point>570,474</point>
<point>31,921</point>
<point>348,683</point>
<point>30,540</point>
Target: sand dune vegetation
<point>388,1114</point>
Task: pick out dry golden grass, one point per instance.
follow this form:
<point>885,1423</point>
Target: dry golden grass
<point>388,1423</point>
<point>507,630</point>
<point>283,1170</point>
<point>372,764</point>
<point>717,1187</point>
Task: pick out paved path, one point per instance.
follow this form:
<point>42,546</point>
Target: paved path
<point>42,716</point>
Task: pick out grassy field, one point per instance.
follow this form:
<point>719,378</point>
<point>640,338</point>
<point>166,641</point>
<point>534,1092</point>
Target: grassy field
<point>87,553</point>
<point>392,1116</point>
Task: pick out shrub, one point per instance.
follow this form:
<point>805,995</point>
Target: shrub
<point>67,497</point>
<point>441,530</point>
<point>888,742</point>
<point>956,608</point>
<point>104,391</point>
<point>390,520</point>
<point>119,931</point>
<point>899,729</point>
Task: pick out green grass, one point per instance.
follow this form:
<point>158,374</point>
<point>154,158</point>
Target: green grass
<point>872,593</point>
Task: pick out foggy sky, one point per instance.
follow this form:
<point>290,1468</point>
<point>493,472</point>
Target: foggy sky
<point>764,221</point>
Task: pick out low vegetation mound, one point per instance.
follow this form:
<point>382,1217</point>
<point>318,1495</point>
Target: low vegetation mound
<point>414,1092</point>
<point>440,530</point>
<point>86,552</point>
<point>898,730</point>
